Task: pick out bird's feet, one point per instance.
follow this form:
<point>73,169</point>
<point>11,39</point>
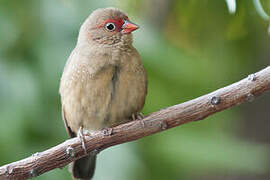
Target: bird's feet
<point>81,135</point>
<point>138,116</point>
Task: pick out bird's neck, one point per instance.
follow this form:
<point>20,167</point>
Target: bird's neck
<point>104,48</point>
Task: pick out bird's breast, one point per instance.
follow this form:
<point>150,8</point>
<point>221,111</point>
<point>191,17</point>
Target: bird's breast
<point>104,95</point>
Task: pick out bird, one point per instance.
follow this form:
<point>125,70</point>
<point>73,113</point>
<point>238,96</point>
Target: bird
<point>104,82</point>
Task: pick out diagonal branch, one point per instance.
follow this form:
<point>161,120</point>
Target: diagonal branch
<point>193,110</point>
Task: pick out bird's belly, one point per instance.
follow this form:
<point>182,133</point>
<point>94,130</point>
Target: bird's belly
<point>129,97</point>
<point>106,101</point>
<point>86,102</point>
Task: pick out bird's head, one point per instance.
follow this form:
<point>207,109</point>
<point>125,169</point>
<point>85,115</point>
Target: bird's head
<point>108,26</point>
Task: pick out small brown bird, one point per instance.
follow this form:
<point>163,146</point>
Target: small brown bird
<point>104,82</point>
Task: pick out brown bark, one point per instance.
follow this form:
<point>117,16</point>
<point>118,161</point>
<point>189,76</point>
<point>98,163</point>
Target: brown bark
<point>193,110</point>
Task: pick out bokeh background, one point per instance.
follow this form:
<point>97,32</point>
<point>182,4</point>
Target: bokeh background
<point>189,48</point>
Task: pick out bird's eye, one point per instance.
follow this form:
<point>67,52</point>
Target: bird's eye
<point>110,26</point>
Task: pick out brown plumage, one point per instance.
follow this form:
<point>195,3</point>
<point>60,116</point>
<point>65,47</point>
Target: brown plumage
<point>104,82</point>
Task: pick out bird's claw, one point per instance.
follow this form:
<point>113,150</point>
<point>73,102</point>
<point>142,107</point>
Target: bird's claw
<point>138,116</point>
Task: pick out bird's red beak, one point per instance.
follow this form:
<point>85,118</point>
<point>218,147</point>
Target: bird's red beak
<point>128,27</point>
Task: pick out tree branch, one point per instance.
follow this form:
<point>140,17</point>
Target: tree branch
<point>193,110</point>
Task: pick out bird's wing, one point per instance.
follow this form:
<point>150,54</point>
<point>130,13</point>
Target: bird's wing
<point>88,70</point>
<point>68,129</point>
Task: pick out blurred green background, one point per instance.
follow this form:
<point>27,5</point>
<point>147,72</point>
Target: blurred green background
<point>189,48</point>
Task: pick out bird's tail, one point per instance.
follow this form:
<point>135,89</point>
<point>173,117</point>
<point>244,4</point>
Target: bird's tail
<point>83,168</point>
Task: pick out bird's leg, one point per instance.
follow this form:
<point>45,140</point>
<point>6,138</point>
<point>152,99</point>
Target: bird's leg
<point>133,117</point>
<point>138,116</point>
<point>81,136</point>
